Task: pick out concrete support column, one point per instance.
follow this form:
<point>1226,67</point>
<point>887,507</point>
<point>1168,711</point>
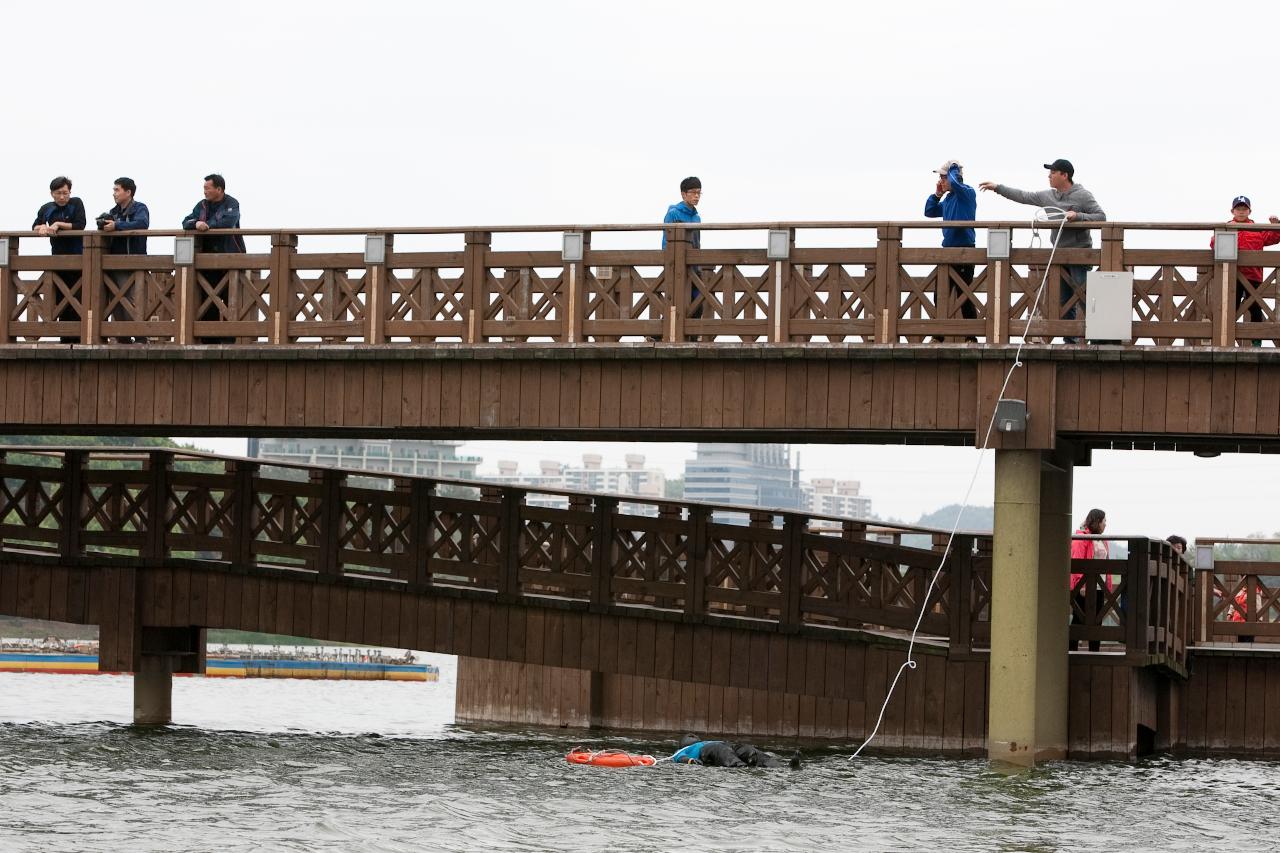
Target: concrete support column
<point>1028,619</point>
<point>1053,631</point>
<point>153,692</point>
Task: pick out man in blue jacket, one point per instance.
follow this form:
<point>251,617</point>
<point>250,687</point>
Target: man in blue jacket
<point>955,201</point>
<point>719,753</point>
<point>64,213</point>
<point>128,215</point>
<point>687,211</point>
<point>217,210</point>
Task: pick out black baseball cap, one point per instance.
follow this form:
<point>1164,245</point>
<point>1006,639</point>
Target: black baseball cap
<point>1061,165</point>
<point>1241,199</point>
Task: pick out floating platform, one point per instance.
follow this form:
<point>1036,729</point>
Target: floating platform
<point>236,667</point>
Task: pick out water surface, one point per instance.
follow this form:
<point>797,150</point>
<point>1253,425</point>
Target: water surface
<point>297,765</point>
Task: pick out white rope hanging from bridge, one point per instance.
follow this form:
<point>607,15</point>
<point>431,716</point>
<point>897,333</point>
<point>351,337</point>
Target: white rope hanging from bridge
<point>1041,216</point>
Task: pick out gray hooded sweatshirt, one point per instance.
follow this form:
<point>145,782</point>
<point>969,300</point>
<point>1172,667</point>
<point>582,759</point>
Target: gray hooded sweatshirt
<point>1077,198</point>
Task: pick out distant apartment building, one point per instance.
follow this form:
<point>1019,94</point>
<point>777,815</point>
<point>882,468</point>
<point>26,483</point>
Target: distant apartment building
<point>829,496</point>
<point>744,475</point>
<point>591,476</point>
<point>391,456</point>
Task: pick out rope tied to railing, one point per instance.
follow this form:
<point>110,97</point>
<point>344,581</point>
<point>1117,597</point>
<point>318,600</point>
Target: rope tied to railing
<point>1040,216</point>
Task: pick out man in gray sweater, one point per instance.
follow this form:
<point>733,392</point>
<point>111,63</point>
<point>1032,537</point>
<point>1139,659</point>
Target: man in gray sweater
<point>1080,206</point>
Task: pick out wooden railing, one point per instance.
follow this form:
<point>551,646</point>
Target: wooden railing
<point>778,571</point>
<point>1140,602</point>
<point>1237,595</point>
<point>869,284</point>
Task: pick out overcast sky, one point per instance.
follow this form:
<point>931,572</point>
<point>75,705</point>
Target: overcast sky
<point>344,114</point>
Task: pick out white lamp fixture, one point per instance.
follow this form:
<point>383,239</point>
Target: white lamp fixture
<point>375,249</point>
<point>184,251</point>
<point>572,246</point>
<point>779,248</point>
<point>999,244</point>
<point>1204,557</point>
<point>1226,246</point>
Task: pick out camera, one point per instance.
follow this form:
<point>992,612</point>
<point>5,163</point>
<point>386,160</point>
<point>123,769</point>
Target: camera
<point>103,218</point>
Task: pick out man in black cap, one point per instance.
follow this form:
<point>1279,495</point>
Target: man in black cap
<point>1250,241</point>
<point>1080,206</point>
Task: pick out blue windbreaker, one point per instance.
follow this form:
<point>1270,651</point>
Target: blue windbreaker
<point>959,205</point>
<point>683,213</point>
<point>692,754</point>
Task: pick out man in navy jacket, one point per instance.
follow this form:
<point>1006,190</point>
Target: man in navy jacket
<point>128,215</point>
<point>64,213</point>
<point>217,210</point>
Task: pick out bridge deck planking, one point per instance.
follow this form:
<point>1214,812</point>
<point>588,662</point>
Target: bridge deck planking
<point>812,397</point>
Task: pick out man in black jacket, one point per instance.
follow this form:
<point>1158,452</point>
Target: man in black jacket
<point>217,210</point>
<point>64,213</point>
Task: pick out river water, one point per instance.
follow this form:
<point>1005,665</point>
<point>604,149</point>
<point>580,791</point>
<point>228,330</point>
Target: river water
<point>264,765</point>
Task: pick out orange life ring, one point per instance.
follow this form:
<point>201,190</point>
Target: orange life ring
<point>609,758</point>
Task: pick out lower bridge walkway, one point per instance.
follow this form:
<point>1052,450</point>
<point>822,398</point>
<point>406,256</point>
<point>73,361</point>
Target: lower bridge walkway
<point>590,609</point>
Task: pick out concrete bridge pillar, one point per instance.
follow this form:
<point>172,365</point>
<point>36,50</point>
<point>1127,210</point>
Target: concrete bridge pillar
<point>153,692</point>
<point>1027,716</point>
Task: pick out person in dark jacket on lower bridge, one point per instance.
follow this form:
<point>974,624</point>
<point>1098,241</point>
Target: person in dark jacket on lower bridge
<point>720,753</point>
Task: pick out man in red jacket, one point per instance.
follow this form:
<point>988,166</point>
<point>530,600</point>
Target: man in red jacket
<point>1250,241</point>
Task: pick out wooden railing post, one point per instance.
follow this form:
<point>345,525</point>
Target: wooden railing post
<point>888,247</point>
<point>791,615</point>
<point>606,509</point>
<point>1203,605</point>
<point>1112,259</point>
<point>378,292</point>
<point>675,276</point>
<point>244,484</point>
<point>509,572</point>
<point>421,531</point>
<point>575,302</point>
<point>91,286</point>
<point>695,600</point>
<point>960,595</point>
<point>329,518</point>
<point>783,295</point>
<point>283,247</point>
<point>158,465</point>
<point>188,297</point>
<point>73,465</point>
<point>475,276</point>
<point>8,289</point>
<point>1137,612</point>
<point>1222,303</point>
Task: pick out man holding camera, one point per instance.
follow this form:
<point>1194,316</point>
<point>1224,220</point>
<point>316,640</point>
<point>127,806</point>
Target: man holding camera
<point>127,215</point>
<point>218,210</point>
<point>64,213</point>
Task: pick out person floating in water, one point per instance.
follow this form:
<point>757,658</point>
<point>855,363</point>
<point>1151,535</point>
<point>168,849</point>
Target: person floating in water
<point>719,753</point>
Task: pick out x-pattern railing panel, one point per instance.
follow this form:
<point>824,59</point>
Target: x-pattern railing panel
<point>774,569</point>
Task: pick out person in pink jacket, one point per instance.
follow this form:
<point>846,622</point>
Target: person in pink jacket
<point>1095,524</point>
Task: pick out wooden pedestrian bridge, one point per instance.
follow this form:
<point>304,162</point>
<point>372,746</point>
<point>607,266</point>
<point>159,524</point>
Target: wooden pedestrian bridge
<point>804,331</point>
<point>620,611</point>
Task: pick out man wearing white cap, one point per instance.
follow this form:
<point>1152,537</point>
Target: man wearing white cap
<point>955,201</point>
